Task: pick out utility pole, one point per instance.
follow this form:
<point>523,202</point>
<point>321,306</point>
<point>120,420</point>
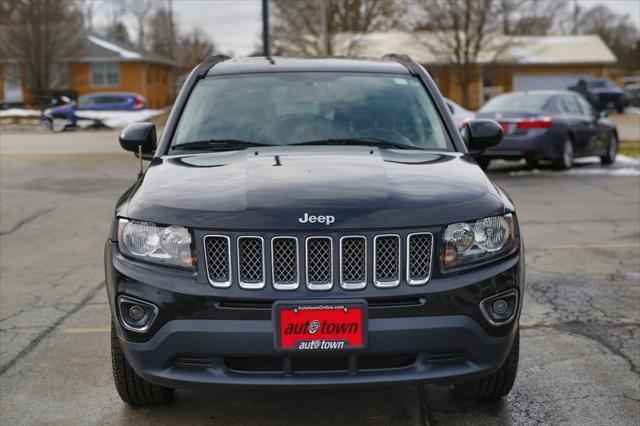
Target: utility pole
<point>324,22</point>
<point>266,51</point>
<point>172,49</point>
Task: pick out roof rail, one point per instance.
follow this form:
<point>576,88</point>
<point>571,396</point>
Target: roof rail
<point>404,59</point>
<point>208,63</point>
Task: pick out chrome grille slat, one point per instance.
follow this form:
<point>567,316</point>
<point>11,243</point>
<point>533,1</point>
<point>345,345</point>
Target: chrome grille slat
<point>251,262</point>
<point>218,260</point>
<point>319,266</point>
<point>419,257</point>
<point>353,262</point>
<point>386,260</point>
<point>284,263</point>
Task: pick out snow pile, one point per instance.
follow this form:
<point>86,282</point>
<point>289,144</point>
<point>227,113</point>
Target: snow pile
<point>120,118</point>
<point>20,112</point>
<point>125,53</point>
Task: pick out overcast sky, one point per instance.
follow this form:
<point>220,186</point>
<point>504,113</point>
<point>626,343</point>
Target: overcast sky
<point>235,25</point>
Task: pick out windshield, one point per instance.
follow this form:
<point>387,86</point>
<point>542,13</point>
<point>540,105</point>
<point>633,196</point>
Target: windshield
<point>293,108</point>
<point>600,84</point>
<point>517,102</point>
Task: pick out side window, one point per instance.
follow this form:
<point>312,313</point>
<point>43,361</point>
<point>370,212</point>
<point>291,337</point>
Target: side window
<point>586,107</point>
<point>569,105</point>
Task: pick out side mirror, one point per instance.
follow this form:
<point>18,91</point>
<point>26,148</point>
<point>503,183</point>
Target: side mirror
<point>480,134</point>
<point>139,135</point>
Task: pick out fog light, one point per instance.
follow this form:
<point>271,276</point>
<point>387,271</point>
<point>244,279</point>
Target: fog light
<point>136,312</point>
<point>500,307</point>
<point>136,315</point>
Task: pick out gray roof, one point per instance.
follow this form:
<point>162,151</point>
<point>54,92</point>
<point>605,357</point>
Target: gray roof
<point>516,50</point>
<point>102,49</point>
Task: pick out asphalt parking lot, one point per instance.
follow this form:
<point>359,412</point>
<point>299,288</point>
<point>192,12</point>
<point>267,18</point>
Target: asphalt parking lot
<point>580,352</point>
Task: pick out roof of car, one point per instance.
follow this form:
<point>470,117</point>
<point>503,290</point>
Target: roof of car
<point>109,94</point>
<point>277,64</point>
<point>541,92</point>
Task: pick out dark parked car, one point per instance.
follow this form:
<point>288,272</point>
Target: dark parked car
<point>549,125</point>
<point>313,223</point>
<point>604,95</point>
<point>60,117</point>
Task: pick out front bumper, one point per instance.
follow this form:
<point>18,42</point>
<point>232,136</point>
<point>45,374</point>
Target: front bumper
<point>435,333</point>
<point>441,349</point>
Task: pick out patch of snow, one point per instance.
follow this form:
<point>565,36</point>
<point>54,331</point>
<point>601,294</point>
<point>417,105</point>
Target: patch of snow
<point>120,118</point>
<point>632,110</point>
<point>625,159</point>
<point>553,39</point>
<point>632,275</point>
<point>128,54</point>
<point>20,112</point>
<point>606,171</point>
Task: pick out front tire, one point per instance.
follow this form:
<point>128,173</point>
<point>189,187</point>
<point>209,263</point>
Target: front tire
<point>496,385</point>
<point>133,389</point>
<point>565,161</point>
<point>612,150</point>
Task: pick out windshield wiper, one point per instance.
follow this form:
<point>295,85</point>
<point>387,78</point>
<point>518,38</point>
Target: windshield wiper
<point>216,145</point>
<point>381,143</point>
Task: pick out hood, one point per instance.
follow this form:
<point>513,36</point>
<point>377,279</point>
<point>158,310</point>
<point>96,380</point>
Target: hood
<point>362,187</point>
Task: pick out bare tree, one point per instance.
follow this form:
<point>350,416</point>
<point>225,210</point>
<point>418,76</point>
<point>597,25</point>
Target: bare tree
<point>617,31</point>
<point>193,48</point>
<point>41,35</point>
<point>117,31</point>
<point>310,27</point>
<point>162,38</point>
<point>459,32</point>
<point>89,8</point>
<point>141,10</point>
<point>531,17</point>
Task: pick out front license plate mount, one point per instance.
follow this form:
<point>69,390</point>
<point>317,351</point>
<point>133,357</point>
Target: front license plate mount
<point>324,326</point>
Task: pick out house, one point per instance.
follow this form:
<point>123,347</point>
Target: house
<point>506,64</point>
<point>102,66</point>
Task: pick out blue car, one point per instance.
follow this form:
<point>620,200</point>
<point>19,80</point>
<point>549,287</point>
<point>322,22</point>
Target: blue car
<point>60,117</point>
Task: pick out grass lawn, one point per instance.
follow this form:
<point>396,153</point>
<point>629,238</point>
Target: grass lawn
<point>630,148</point>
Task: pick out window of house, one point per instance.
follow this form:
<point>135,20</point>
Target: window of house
<point>105,74</point>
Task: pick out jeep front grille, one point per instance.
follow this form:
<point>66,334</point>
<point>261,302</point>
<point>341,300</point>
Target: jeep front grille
<point>353,262</point>
<point>218,260</point>
<point>419,254</point>
<point>386,259</point>
<point>251,262</point>
<point>288,261</point>
<point>284,263</point>
<point>319,263</point>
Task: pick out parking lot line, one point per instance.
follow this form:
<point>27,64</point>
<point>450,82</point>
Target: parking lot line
<point>80,330</point>
<point>584,246</point>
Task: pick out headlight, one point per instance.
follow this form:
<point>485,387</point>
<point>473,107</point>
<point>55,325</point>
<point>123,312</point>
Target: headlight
<point>465,243</point>
<point>169,245</point>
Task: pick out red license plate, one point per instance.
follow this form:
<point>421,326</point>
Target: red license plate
<point>310,327</point>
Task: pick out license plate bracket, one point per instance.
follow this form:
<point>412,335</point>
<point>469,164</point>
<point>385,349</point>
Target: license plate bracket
<point>326,326</point>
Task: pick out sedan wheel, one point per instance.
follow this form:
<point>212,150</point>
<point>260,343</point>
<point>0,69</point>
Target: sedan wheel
<point>566,159</point>
<point>612,150</point>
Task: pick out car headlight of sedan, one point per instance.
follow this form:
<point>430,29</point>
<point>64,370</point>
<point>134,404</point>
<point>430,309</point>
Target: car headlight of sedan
<point>170,245</point>
<point>466,243</point>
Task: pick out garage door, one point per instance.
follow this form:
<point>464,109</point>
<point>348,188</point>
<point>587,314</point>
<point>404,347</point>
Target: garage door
<point>546,81</point>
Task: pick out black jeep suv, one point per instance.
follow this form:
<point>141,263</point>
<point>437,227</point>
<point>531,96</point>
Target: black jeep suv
<point>313,223</point>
